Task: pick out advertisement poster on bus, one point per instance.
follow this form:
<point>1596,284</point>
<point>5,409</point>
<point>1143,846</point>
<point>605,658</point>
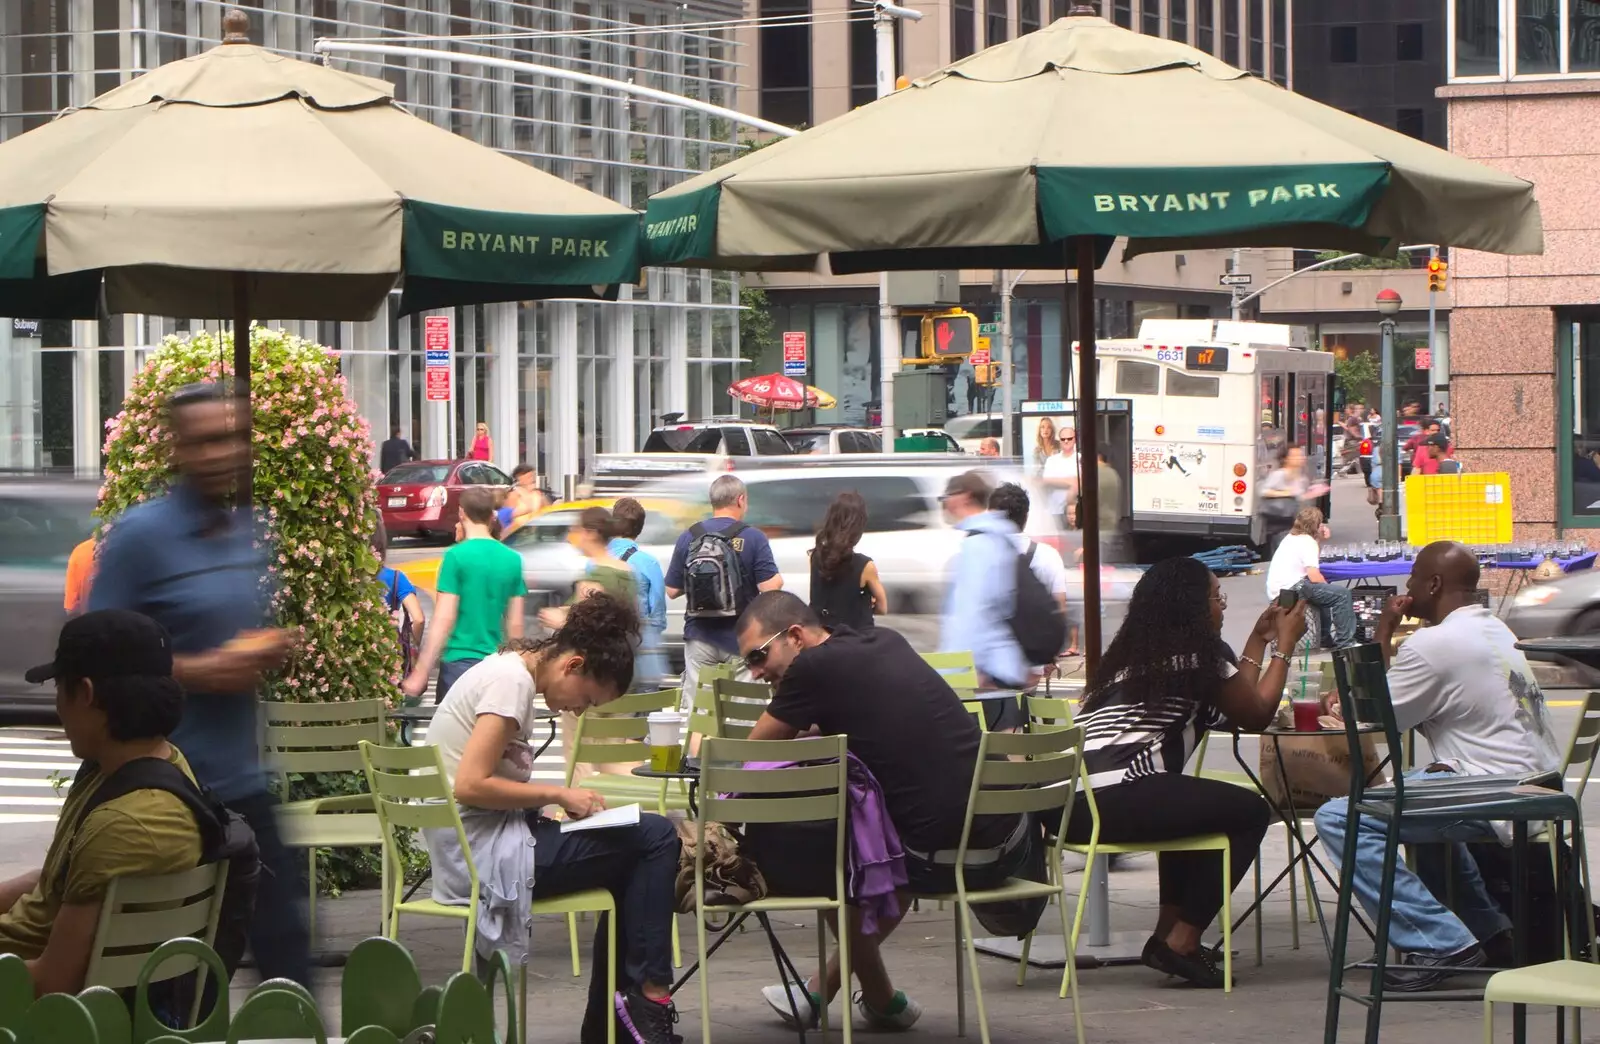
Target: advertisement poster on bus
<point>1184,477</point>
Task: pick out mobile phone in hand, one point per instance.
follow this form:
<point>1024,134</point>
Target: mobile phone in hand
<point>1287,598</point>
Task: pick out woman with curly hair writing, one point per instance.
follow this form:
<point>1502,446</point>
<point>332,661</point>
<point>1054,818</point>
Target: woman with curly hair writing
<point>1166,679</point>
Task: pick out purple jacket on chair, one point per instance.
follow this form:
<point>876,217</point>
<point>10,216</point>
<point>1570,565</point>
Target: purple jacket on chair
<point>875,864</point>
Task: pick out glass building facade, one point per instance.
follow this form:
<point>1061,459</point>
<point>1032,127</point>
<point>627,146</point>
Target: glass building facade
<point>556,381</point>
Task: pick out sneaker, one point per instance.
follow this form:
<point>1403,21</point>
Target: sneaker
<point>788,998</point>
<point>647,1021</point>
<point>1423,971</point>
<point>1201,968</point>
<point>901,1014</point>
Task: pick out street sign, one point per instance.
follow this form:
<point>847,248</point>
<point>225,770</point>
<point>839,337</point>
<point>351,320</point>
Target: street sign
<point>1235,279</point>
<point>989,329</point>
<point>1424,360</point>
<point>794,353</point>
<point>436,345</point>
<point>982,345</point>
<point>24,328</point>
<point>980,357</point>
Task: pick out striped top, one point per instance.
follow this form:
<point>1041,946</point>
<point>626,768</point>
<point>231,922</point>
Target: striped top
<point>1126,739</point>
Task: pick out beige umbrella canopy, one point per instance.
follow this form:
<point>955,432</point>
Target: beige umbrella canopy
<point>1039,152</point>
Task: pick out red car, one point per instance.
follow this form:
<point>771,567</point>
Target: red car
<point>421,498</point>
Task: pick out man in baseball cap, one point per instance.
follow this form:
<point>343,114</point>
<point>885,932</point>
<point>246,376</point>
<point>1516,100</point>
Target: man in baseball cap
<point>118,701</point>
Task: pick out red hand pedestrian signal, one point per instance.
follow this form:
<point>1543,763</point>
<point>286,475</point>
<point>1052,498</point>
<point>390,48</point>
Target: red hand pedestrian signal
<point>954,334</point>
<point>943,332</point>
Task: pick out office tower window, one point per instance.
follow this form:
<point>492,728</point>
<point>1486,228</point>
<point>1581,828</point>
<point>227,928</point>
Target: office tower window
<point>1342,45</point>
<point>1027,16</point>
<point>997,22</point>
<point>1413,122</point>
<point>786,62</point>
<point>1230,31</point>
<point>1205,33</point>
<point>1280,42</point>
<point>1408,42</point>
<point>963,28</point>
<point>1258,38</point>
<point>1150,17</point>
<point>1122,13</point>
<point>1178,20</point>
<point>1477,38</point>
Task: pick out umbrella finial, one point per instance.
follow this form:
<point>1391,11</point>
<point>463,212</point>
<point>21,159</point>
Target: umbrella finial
<point>235,27</point>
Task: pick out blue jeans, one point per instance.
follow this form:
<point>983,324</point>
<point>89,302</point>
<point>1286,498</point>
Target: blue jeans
<point>450,672</point>
<point>1335,605</point>
<point>1418,921</point>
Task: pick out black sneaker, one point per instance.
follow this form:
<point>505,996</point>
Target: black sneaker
<point>1423,971</point>
<point>1200,968</point>
<point>647,1021</point>
<point>1498,951</point>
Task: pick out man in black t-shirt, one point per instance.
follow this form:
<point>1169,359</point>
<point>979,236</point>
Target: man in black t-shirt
<point>910,730</point>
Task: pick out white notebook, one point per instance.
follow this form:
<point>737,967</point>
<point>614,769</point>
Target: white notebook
<point>622,815</point>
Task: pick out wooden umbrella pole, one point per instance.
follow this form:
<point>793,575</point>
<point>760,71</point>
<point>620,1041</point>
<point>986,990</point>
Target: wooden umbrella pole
<point>1088,444</point>
<point>244,411</point>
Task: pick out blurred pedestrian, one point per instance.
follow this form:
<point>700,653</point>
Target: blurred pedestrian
<point>80,575</point>
<point>395,451</point>
<point>989,448</point>
<point>480,600</point>
<point>400,598</point>
<point>482,444</point>
<point>192,561</point>
<point>1284,492</point>
<point>845,587</point>
<point>981,601</point>
<point>525,499</point>
<point>718,566</point>
<point>1113,542</point>
<point>627,518</point>
<point>603,571</point>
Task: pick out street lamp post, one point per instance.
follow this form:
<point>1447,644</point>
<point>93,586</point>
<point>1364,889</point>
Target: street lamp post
<point>1388,304</point>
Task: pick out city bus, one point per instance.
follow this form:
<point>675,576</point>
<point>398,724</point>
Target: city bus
<point>1213,404</point>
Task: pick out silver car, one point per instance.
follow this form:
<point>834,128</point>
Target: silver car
<point>41,521</point>
<point>1566,605</point>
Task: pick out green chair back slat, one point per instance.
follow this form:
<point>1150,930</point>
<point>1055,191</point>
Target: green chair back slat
<point>350,711</point>
<point>1585,743</point>
<point>286,985</point>
<point>957,668</point>
<point>606,727</point>
<point>372,1035</point>
<point>703,713</point>
<point>465,1013</point>
<point>183,955</point>
<point>637,703</point>
<point>280,1014</point>
<point>112,1022</point>
<point>417,817</point>
<point>425,1012</point>
<point>998,788</point>
<point>57,1018</point>
<point>16,990</point>
<point>140,914</point>
<point>1048,712</point>
<point>739,705</point>
<point>380,987</point>
<point>500,977</point>
<point>722,772</point>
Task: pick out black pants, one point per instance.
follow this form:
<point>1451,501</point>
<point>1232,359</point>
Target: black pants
<point>279,937</point>
<point>1169,806</point>
<point>638,866</point>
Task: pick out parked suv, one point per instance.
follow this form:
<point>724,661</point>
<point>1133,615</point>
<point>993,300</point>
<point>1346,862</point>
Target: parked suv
<point>825,438</point>
<point>724,436</point>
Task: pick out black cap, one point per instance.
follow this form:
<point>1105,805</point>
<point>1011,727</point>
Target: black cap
<point>109,643</point>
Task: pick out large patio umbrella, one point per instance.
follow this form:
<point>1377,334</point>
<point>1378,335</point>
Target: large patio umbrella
<point>240,182</point>
<point>1040,151</point>
<point>774,391</point>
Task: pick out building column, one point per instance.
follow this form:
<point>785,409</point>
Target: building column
<point>561,428</point>
<point>616,326</point>
<point>500,342</point>
<point>676,282</point>
<point>86,433</point>
<point>368,376</point>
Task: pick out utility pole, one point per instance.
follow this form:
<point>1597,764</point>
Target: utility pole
<point>884,16</point>
<point>1008,285</point>
<point>1433,332</point>
<point>1237,291</point>
<point>1389,511</point>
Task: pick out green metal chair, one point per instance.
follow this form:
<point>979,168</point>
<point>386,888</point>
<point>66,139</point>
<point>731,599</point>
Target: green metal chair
<point>425,1012</point>
<point>1561,984</point>
<point>16,990</point>
<point>957,668</point>
<point>319,738</point>
<point>55,1019</point>
<point>372,1035</point>
<point>814,789</point>
<point>413,793</point>
<point>283,1014</point>
<point>1018,774</point>
<point>1045,714</point>
<point>186,955</point>
<point>617,734</point>
<point>113,1023</point>
<point>1365,703</point>
<point>739,705</point>
<point>466,1014</point>
<point>380,987</point>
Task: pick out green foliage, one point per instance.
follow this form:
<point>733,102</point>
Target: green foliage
<point>1357,263</point>
<point>758,331</point>
<point>315,494</point>
<point>1359,373</point>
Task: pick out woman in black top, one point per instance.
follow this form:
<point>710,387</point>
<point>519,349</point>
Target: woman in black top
<point>1166,679</point>
<point>845,589</point>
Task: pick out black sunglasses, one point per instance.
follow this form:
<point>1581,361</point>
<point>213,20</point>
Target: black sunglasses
<point>758,656</point>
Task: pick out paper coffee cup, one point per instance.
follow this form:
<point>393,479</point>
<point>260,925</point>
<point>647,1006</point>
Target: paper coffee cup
<point>666,739</point>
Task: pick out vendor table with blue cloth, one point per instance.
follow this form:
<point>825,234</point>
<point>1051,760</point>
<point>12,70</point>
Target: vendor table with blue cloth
<point>1368,569</point>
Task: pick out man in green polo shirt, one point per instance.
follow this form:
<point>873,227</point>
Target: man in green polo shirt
<point>479,604</point>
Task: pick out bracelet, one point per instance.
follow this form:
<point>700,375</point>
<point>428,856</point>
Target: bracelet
<point>1251,660</point>
<point>1278,654</point>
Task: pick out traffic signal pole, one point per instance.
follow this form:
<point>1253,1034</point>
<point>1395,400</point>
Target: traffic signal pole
<point>1434,402</point>
<point>884,16</point>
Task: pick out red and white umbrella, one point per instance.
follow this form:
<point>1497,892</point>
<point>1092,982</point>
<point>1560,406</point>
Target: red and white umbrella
<point>774,391</point>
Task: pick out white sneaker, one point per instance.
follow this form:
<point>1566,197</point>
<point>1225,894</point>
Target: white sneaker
<point>788,998</point>
<point>903,1019</point>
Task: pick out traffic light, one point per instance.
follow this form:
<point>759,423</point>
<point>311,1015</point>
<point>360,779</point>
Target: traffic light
<point>986,374</point>
<point>949,335</point>
<point>1438,274</point>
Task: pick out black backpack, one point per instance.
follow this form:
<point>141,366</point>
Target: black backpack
<point>713,576</point>
<point>224,835</point>
<point>1036,620</point>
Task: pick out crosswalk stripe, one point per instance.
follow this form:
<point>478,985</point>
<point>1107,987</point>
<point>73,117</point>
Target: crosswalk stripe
<point>60,766</point>
<point>28,781</point>
<point>54,802</point>
<point>27,817</point>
